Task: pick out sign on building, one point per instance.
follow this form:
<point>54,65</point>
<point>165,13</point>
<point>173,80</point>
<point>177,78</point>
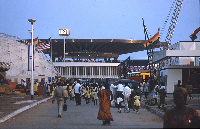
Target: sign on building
<point>64,32</point>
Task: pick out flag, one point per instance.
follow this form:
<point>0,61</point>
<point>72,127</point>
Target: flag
<point>152,40</point>
<point>35,42</point>
<point>196,34</point>
<point>44,45</point>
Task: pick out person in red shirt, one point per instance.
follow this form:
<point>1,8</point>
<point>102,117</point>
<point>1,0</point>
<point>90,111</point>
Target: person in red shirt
<point>181,116</point>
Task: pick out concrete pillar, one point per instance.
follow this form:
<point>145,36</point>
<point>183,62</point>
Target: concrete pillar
<point>76,70</point>
<point>92,71</point>
<point>99,71</point>
<point>85,72</point>
<point>69,70</point>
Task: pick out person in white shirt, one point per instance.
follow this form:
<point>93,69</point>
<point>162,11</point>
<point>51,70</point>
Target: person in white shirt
<point>113,90</point>
<point>120,88</point>
<point>77,90</point>
<point>126,93</point>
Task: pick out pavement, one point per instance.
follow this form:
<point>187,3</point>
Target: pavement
<point>32,103</point>
<point>84,116</point>
<point>160,111</point>
<point>194,102</point>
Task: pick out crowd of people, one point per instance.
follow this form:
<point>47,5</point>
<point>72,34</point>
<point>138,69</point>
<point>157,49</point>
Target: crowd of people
<point>118,93</point>
<point>94,93</point>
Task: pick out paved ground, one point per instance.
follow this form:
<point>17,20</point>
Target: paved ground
<point>193,102</point>
<point>11,103</point>
<point>44,115</point>
<point>84,116</point>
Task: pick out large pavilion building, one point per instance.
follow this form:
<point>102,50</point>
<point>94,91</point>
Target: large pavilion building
<point>76,58</point>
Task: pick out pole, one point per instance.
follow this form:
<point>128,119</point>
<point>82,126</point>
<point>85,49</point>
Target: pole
<point>32,64</point>
<point>51,58</point>
<point>64,55</point>
<point>51,49</point>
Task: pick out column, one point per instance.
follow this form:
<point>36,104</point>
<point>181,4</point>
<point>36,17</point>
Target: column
<point>110,70</point>
<point>76,71</point>
<point>85,72</point>
<point>66,71</point>
<point>92,71</point>
<point>107,68</point>
<point>69,70</point>
<point>99,71</point>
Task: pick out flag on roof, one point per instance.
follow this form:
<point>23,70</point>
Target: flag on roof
<point>152,40</point>
<point>196,34</point>
<point>35,41</point>
<point>44,45</point>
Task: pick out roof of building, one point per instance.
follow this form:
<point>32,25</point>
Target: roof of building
<point>96,47</point>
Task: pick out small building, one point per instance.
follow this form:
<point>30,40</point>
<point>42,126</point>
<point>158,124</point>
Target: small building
<point>179,62</point>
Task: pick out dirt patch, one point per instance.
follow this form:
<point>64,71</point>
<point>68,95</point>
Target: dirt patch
<point>11,103</point>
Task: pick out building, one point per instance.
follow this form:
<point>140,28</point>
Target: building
<point>78,58</point>
<point>15,54</point>
<point>180,62</point>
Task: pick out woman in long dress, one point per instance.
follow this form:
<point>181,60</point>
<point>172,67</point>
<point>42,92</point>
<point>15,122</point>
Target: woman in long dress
<point>104,113</point>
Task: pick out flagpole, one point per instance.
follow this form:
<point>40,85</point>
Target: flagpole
<point>51,50</point>
<point>31,88</point>
<point>64,53</point>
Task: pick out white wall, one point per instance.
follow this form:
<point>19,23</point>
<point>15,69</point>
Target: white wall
<point>173,76</point>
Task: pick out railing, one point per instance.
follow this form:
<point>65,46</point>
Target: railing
<point>90,76</point>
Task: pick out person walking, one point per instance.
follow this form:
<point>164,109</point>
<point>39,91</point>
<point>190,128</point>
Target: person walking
<point>181,116</point>
<point>77,90</point>
<point>59,95</point>
<point>104,113</point>
<point>132,99</point>
<point>126,93</point>
<point>137,103</point>
<point>88,95</point>
<point>95,96</point>
<point>73,93</point>
<point>120,96</point>
<point>113,89</point>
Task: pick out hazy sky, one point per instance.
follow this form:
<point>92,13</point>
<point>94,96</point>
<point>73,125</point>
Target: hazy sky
<point>97,19</point>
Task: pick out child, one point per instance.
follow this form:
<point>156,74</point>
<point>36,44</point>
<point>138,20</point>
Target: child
<point>137,103</point>
<point>88,95</point>
<point>72,93</point>
<point>95,97</point>
<point>119,100</point>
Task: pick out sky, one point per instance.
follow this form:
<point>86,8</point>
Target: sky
<point>98,19</point>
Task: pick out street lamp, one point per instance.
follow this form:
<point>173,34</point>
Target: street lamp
<point>31,88</point>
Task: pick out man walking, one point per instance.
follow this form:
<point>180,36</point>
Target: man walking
<point>120,96</point>
<point>126,93</point>
<point>77,90</point>
<point>59,95</point>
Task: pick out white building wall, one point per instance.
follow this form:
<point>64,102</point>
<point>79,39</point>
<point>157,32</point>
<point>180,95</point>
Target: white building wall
<point>15,54</point>
<point>172,78</point>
